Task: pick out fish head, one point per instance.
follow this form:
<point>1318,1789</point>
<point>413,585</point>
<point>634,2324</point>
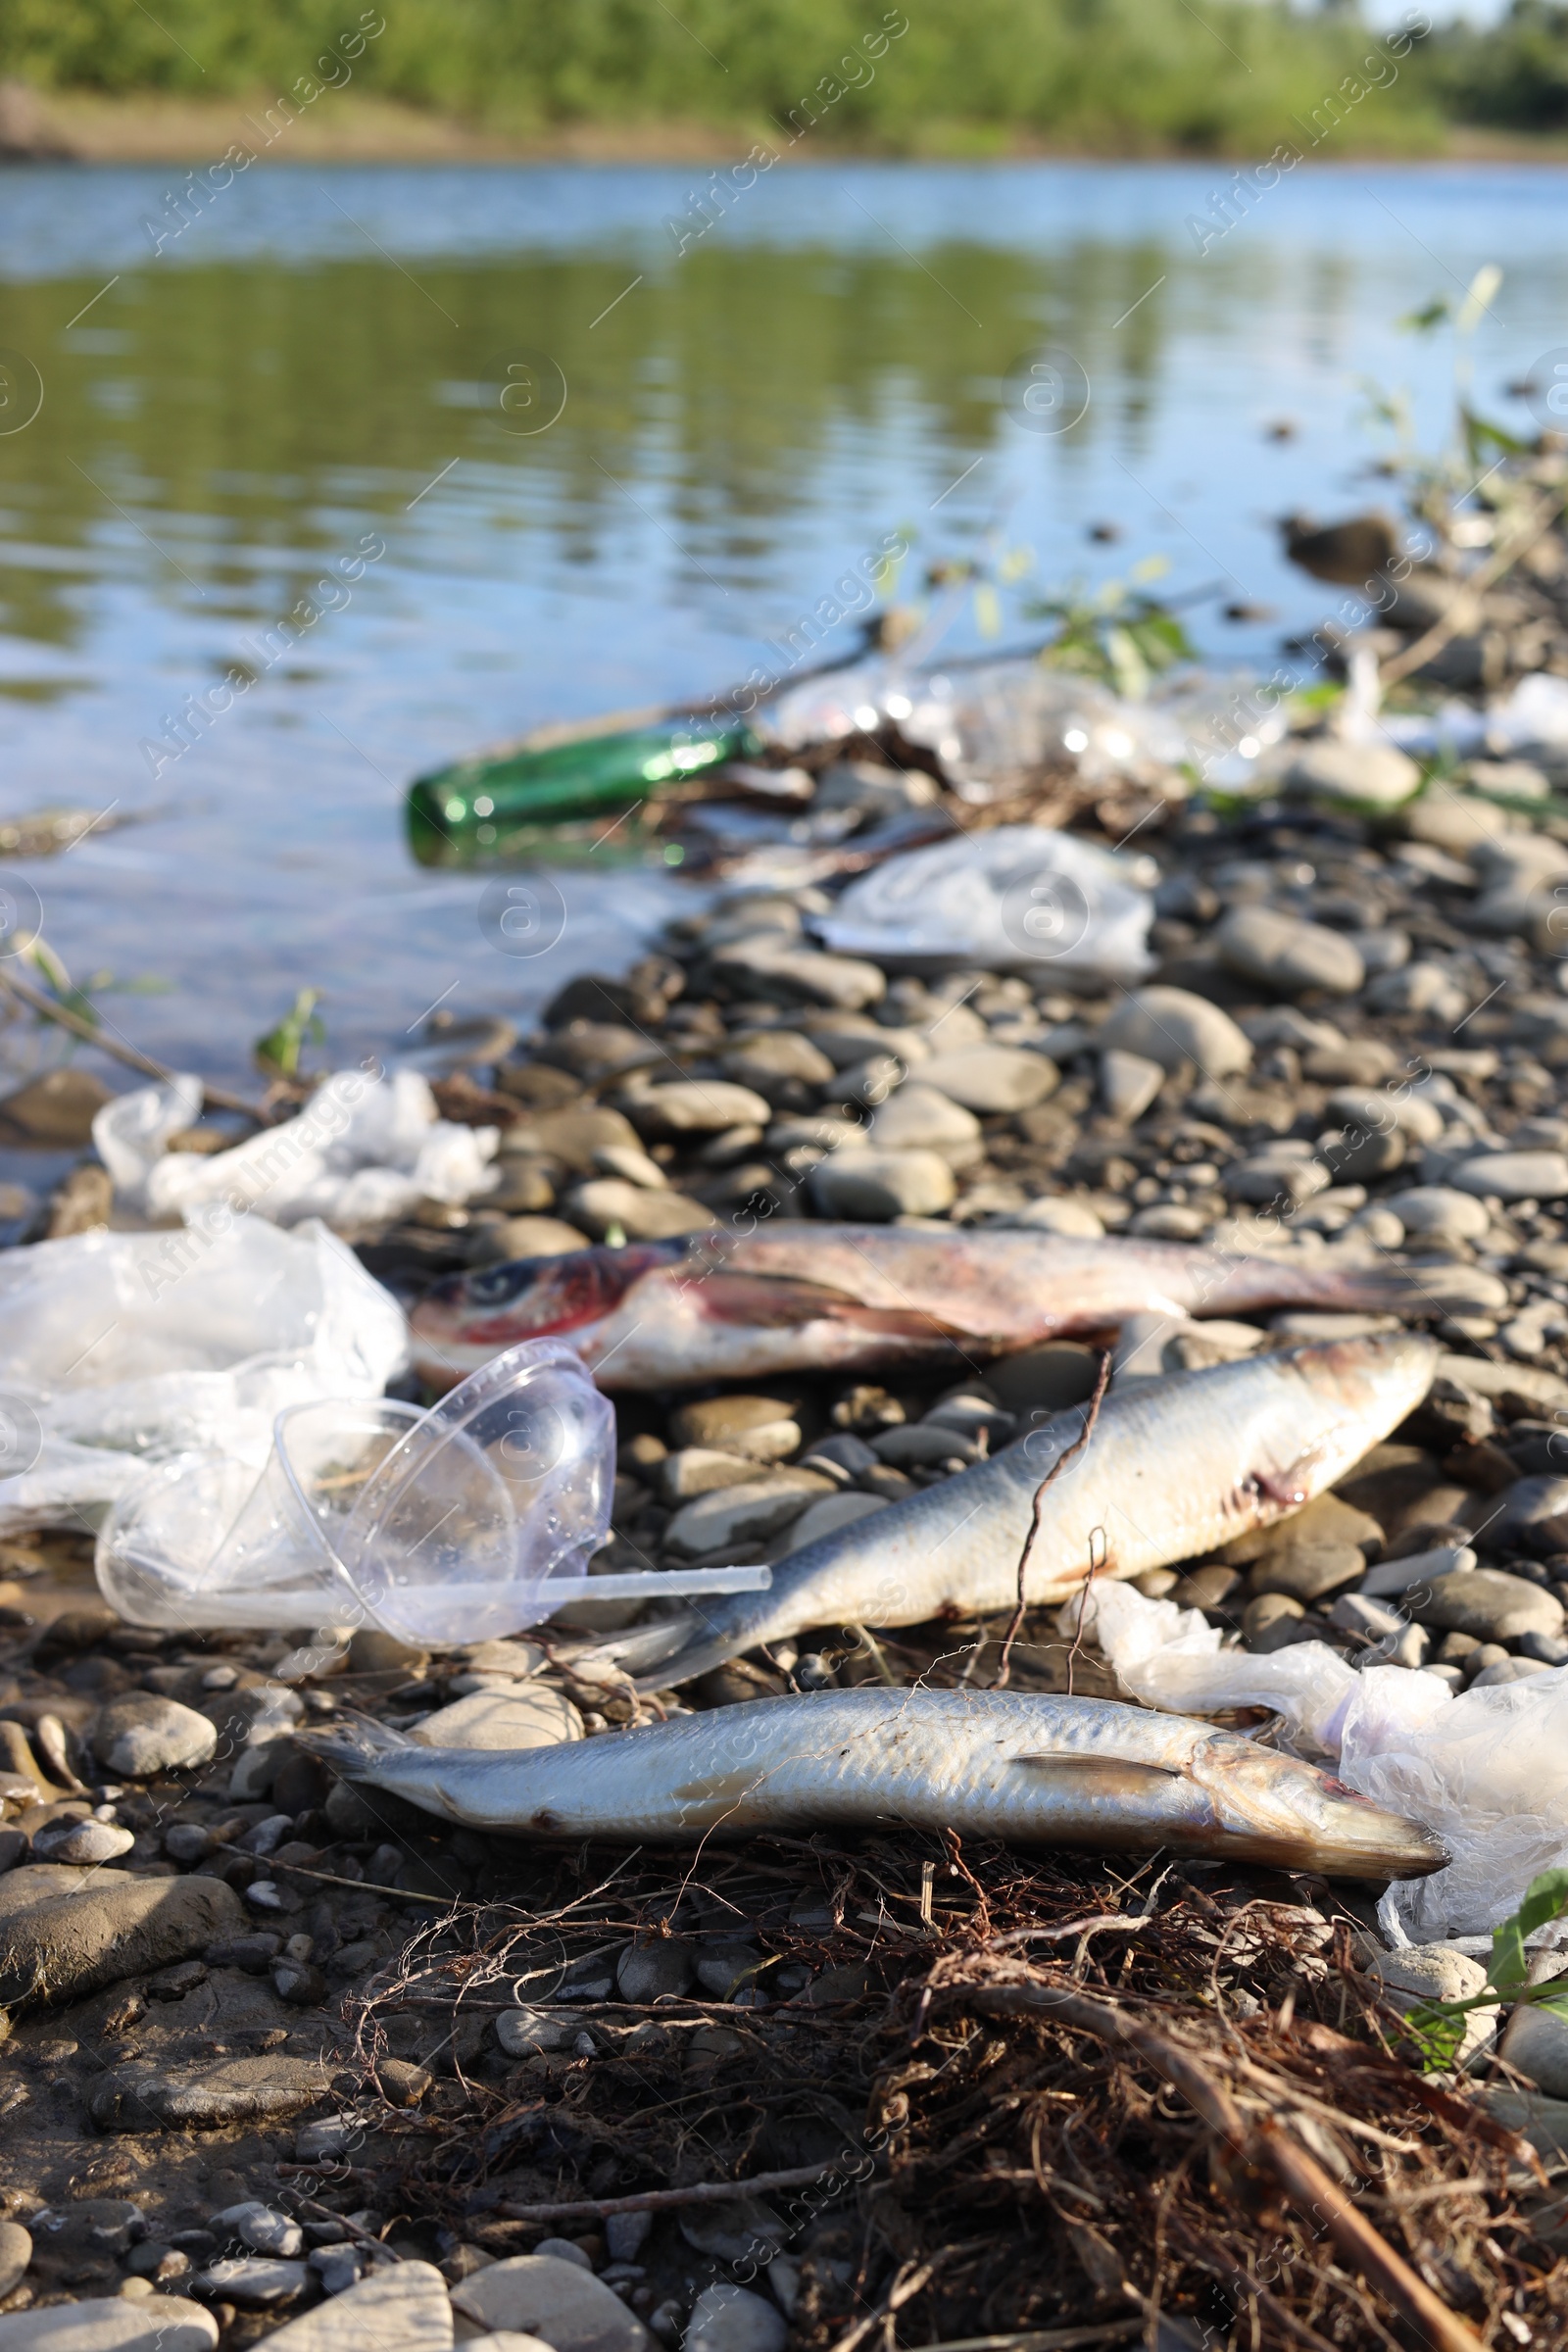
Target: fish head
<point>460,1323</point>
<point>1276,1809</point>
<point>1343,1398</point>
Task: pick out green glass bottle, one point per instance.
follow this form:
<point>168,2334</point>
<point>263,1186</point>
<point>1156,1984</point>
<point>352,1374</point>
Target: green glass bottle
<point>464,814</point>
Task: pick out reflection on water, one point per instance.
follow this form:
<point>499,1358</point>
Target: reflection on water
<point>277,452</point>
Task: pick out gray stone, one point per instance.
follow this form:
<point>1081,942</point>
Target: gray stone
<point>1283,953</point>
<point>1515,1175</point>
<point>625,2235</point>
<point>1411,1113</point>
<point>919,1118</point>
<point>925,1443</point>
<point>826,1517</point>
<point>338,2267</point>
<point>725,1968</point>
<point>564,2249</point>
<point>701,1470</point>
<point>1537,2043</point>
<point>1492,1606</point>
<point>1044,1379</point>
<point>767,966</point>
<point>16,2253</point>
<point>82,1842</point>
<point>254,2282</point>
<point>770,1060</point>
<point>697,1106</point>
<point>1378,774</point>
<point>533,1715</point>
<point>328,2137</point>
<point>757,1427</point>
<point>30,1883</point>
<point>991,1078</point>
<point>1438,1212</point>
<point>877,1186</point>
<point>140,2096</point>
<point>401,2307</point>
<point>1128,1084</point>
<point>1273,1621</point>
<point>1360,1154</point>
<point>641,1216</point>
<point>869,1082</point>
<point>1506,1669</point>
<point>523,2032</point>
<point>1529,1503</point>
<point>139,1735</point>
<point>116,1925</point>
<point>633,1164</point>
<point>1427,1971</point>
<point>1480,1377</point>
<point>111,2324</point>
<point>536,2294</point>
<point>1056,1212</point>
<point>730,2318</point>
<point>260,2226</point>
<point>745,1515</point>
<point>1360,1613</point>
<point>645,1971</point>
<point>1176,1029</point>
<point>1286,1173</point>
<point>1407,1570</point>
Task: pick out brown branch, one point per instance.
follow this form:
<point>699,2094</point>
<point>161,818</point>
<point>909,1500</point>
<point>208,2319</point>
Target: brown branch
<point>1433,640</point>
<point>1267,2147</point>
<point>654,2200</point>
<point>131,1056</point>
<point>1052,1475</point>
<point>906,2286</point>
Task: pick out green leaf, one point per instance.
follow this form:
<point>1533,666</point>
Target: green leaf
<point>1422,322</point>
<point>1545,1899</point>
<point>1438,2033</point>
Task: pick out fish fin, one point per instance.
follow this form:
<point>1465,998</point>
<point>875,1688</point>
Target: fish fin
<point>773,1303</point>
<point>1104,1776</point>
<point>352,1745</point>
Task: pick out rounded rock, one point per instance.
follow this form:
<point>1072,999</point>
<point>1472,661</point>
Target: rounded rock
<point>1128,1084</point>
<point>879,1186</point>
<point>139,1735</point>
<point>1515,1175</point>
<point>645,1971</point>
<point>1175,1028</point>
<point>260,2226</point>
<point>1056,1212</point>
<point>731,2319</point>
<point>532,1716</point>
<point>82,1842</point>
<point>524,2032</point>
<point>1288,954</point>
<point>112,2323</point>
<point>16,2252</point>
<point>1492,1606</point>
<point>1437,1212</point>
<point>1379,775</point>
<point>991,1078</point>
<point>698,1106</point>
<point>921,1118</point>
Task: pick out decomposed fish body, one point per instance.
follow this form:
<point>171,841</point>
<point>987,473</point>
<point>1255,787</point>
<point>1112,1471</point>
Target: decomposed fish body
<point>1174,1469</point>
<point>802,1296</point>
<point>1028,1769</point>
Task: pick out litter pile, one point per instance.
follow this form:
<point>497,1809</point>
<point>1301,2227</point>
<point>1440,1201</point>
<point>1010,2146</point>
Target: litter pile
<point>1019,1269</point>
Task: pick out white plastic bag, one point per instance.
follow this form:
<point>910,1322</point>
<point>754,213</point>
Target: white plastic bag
<point>1486,1769</point>
<point>1019,898</point>
<point>122,1347</point>
<point>360,1151</point>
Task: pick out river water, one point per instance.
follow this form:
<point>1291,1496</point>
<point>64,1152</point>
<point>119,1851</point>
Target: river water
<point>304,384</point>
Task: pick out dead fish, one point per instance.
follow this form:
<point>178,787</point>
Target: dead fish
<point>1174,1468</point>
<point>1028,1769</point>
<point>837,1299</point>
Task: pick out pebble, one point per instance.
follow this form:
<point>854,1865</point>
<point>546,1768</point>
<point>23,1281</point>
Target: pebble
<point>536,1715</point>
<point>774,1061</point>
<point>16,2253</point>
<point>1438,1212</point>
<point>1515,1175</point>
<point>698,1106</point>
<point>400,2307</point>
<point>260,2226</point>
<point>646,1971</point>
<point>757,1427</point>
<point>701,1470</point>
<point>1393,1577</point>
<point>742,1514</point>
<point>82,1842</point>
<point>254,2282</point>
<point>1052,1214</point>
<point>521,2032</point>
<point>877,1186</point>
<point>564,2249</point>
<point>325,2140</point>
<point>1379,775</point>
<point>1537,2043</point>
<point>641,1216</point>
<point>536,2294</point>
<point>991,1078</point>
<point>625,2235</point>
<point>827,1516</point>
<point>1490,1605</point>
<point>1283,953</point>
<point>1128,1084</point>
<point>1176,1029</point>
<point>1506,1669</point>
<point>919,1118</point>
<point>769,966</point>
<point>139,1735</point>
<point>1437,1972</point>
<point>111,2324</point>
<point>731,2319</point>
<point>63,1947</point>
<point>142,2094</point>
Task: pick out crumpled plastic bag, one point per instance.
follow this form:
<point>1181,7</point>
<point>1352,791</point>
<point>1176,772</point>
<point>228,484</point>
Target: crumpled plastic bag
<point>1488,1769</point>
<point>1019,897</point>
<point>360,1151</point>
<point>120,1348</point>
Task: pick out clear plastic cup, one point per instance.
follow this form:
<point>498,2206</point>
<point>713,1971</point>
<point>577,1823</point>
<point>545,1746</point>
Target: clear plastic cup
<point>461,1524</point>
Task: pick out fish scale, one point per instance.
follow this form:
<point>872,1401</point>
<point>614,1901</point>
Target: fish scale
<point>1174,1468</point>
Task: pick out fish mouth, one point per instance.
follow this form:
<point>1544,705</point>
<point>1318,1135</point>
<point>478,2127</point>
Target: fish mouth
<point>1279,1812</point>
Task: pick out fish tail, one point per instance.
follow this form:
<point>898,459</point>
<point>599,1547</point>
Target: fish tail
<point>656,1656</point>
<point>352,1747</point>
<point>1249,1284</point>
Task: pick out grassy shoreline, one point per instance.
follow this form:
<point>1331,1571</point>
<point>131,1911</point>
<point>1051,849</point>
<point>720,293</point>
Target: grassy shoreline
<point>156,128</point>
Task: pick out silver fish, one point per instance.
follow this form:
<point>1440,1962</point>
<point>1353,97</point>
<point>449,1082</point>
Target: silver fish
<point>833,1298</point>
<point>1174,1468</point>
<point>1036,1770</point>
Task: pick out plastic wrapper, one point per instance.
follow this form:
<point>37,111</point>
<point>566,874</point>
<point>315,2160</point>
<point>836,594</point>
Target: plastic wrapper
<point>461,1524</point>
<point>1488,1769</point>
<point>120,1348</point>
<point>1019,897</point>
<point>360,1151</point>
